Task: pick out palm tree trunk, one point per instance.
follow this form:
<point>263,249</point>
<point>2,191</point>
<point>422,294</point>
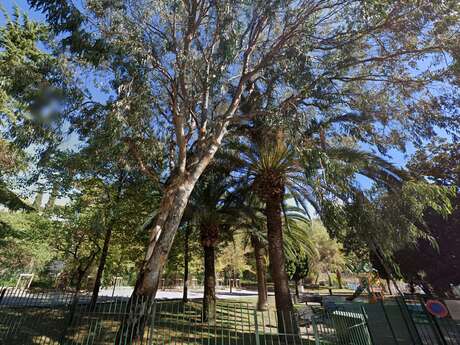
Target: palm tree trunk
<point>283,300</point>
<point>209,297</point>
<point>259,253</point>
<point>186,261</point>
<point>209,238</point>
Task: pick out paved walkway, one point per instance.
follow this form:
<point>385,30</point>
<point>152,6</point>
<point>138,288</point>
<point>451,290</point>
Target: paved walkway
<point>125,291</point>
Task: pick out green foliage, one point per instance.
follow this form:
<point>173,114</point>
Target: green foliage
<point>325,255</point>
<point>24,244</point>
<point>10,200</point>
<point>22,63</point>
<point>439,162</point>
<point>438,266</point>
<point>330,257</point>
<point>34,90</point>
<point>298,268</point>
<point>232,258</point>
<point>298,235</point>
<point>387,221</point>
<point>12,159</point>
<point>175,265</point>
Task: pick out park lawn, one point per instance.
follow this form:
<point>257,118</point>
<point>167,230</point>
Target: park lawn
<point>271,298</point>
<point>174,322</point>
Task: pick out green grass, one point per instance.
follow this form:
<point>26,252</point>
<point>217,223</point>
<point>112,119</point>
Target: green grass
<point>271,299</point>
<point>174,323</point>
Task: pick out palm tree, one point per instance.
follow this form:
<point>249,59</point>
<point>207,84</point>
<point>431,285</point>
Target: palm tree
<point>269,167</point>
<point>313,177</point>
<point>297,241</point>
<point>212,210</point>
<point>259,255</point>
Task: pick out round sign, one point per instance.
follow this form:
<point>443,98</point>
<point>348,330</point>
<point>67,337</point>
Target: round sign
<point>436,308</point>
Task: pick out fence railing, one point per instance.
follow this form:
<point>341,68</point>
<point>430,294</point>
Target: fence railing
<point>429,328</point>
<point>395,321</point>
<point>65,318</point>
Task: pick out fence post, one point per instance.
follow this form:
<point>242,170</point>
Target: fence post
<point>409,321</point>
<point>256,328</point>
<point>371,337</point>
<point>152,322</point>
<point>315,331</point>
<point>387,319</point>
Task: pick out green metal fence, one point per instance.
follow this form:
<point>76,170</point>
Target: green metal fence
<point>59,318</point>
<point>429,328</point>
<point>65,319</point>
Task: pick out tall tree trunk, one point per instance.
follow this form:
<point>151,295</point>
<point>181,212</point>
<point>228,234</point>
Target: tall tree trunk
<point>209,239</point>
<point>339,279</point>
<point>105,249</point>
<point>186,261</point>
<point>80,276</point>
<point>100,268</point>
<point>389,286</point>
<point>162,235</point>
<point>81,272</point>
<point>73,307</point>
<point>168,218</point>
<point>209,297</point>
<point>283,300</point>
<point>329,280</point>
<point>232,281</point>
<point>259,254</point>
<point>169,215</point>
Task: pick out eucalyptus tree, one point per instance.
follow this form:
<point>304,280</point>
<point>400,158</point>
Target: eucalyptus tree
<point>188,65</point>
